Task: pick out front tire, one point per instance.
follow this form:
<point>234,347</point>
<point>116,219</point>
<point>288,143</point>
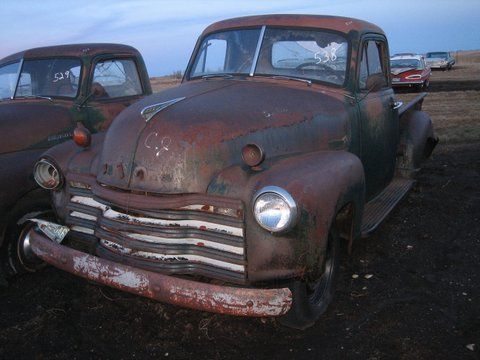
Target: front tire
<point>311,299</point>
<point>16,255</point>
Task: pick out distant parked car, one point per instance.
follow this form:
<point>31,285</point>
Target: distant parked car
<point>440,60</point>
<point>404,54</point>
<point>409,70</point>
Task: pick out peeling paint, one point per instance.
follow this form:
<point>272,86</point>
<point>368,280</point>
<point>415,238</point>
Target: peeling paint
<point>92,266</point>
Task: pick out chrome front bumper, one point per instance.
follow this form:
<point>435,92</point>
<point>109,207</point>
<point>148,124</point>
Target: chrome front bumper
<point>407,83</point>
<point>169,289</point>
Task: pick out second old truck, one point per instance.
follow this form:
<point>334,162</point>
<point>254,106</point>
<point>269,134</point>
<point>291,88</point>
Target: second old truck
<point>233,192</point>
<point>44,93</point>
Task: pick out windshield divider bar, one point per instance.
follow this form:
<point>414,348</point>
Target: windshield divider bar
<point>257,51</point>
<point>18,79</point>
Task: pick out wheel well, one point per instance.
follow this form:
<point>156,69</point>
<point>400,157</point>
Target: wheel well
<point>429,146</point>
<point>35,196</point>
<point>344,224</point>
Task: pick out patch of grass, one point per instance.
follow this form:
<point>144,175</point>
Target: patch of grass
<point>455,114</point>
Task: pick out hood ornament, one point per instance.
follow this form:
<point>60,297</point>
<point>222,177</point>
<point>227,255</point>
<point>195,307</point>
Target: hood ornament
<point>152,110</point>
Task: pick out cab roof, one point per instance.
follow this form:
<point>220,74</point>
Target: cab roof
<point>73,50</point>
<point>337,23</point>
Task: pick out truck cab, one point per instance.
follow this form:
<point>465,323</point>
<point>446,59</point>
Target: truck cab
<point>44,93</point>
<point>233,192</point>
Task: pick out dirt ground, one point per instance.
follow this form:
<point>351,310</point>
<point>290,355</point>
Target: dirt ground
<point>422,302</point>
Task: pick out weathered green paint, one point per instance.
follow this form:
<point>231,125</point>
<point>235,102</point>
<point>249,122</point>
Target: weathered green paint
<point>329,147</point>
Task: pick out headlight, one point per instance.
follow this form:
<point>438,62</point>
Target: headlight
<point>47,174</point>
<point>274,209</point>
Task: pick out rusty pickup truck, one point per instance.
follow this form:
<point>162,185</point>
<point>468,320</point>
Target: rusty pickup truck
<point>233,192</point>
<point>44,93</point>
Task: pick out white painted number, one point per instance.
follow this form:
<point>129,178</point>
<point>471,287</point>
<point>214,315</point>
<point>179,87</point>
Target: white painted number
<point>328,54</point>
<point>61,75</point>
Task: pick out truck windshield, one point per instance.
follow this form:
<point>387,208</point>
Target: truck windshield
<point>405,63</point>
<point>441,55</point>
<point>56,77</point>
<point>8,79</point>
<point>306,54</point>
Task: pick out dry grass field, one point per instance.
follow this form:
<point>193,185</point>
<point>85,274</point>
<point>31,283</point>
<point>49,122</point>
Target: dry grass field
<point>455,114</point>
<point>410,291</point>
<point>163,82</point>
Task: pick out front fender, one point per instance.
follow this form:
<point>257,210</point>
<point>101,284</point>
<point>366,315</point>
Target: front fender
<point>321,183</point>
<point>75,159</point>
<point>417,141</point>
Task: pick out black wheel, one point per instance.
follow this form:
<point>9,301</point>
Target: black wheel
<point>16,254</point>
<point>311,298</point>
<point>426,84</point>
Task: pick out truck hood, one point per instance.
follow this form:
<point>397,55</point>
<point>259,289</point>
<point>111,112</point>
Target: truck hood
<point>203,125</point>
<point>396,71</point>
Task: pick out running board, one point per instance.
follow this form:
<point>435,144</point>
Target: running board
<point>377,209</point>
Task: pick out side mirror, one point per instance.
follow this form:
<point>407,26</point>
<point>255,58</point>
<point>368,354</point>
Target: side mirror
<point>376,81</point>
<point>98,91</point>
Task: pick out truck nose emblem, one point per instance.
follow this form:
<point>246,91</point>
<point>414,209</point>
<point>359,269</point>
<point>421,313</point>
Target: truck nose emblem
<point>152,110</point>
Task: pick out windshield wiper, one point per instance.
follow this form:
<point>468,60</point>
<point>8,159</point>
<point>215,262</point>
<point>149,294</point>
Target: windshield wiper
<point>283,77</point>
<point>34,97</point>
<point>209,76</point>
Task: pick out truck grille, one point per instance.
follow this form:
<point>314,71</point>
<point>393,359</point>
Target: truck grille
<point>192,239</point>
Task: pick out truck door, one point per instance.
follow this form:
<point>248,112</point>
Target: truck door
<point>379,119</point>
<point>115,84</point>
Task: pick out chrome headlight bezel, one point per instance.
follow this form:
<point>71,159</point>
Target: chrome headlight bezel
<point>286,198</point>
<point>47,174</point>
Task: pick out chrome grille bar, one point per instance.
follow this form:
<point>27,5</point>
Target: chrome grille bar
<point>187,240</point>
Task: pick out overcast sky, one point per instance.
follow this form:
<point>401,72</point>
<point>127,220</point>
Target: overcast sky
<point>165,31</point>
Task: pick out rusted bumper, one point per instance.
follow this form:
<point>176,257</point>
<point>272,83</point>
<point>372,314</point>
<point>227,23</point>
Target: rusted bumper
<point>164,288</point>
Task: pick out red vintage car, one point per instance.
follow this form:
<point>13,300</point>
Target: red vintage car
<point>409,70</point>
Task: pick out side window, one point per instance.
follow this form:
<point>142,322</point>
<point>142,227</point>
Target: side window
<point>116,78</point>
<point>25,85</point>
<point>372,63</point>
<point>374,60</point>
<point>363,70</point>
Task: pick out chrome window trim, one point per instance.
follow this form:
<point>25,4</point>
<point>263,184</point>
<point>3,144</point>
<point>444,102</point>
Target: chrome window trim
<point>18,79</point>
<point>257,50</point>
